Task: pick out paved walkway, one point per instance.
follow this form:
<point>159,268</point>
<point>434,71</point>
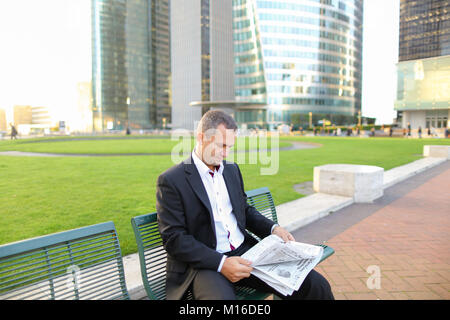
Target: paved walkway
<point>406,235</point>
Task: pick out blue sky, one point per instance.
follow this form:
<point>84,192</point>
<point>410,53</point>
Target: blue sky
<point>44,55</point>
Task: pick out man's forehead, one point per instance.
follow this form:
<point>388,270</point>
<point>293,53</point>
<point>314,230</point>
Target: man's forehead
<point>223,134</point>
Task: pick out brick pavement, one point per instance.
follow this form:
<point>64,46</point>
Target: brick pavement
<point>408,240</point>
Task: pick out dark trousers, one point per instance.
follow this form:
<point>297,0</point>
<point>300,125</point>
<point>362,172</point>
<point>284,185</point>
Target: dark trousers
<point>212,285</point>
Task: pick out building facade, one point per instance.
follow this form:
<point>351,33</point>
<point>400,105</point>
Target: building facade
<point>423,70</point>
<point>31,119</point>
<point>3,125</point>
<point>297,57</point>
<point>130,64</point>
<point>202,64</point>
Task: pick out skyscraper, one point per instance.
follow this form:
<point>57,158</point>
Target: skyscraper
<point>424,29</point>
<point>130,65</point>
<point>201,57</point>
<point>297,56</point>
<point>423,71</point>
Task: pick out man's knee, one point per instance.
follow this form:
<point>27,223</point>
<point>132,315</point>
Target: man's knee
<point>212,285</point>
<point>315,287</point>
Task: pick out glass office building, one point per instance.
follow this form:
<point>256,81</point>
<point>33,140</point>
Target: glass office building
<point>297,56</point>
<point>201,58</point>
<point>424,29</point>
<point>423,71</point>
<point>131,64</point>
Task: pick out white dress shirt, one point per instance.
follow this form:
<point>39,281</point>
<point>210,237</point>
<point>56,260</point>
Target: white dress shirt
<point>227,230</point>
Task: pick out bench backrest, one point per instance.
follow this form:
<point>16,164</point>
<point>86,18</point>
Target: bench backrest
<point>80,264</point>
<point>262,200</point>
<point>152,255</point>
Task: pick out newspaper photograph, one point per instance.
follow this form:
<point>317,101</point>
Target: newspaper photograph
<point>283,265</point>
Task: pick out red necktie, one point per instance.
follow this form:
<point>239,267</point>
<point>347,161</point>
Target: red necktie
<point>231,246</point>
<point>216,168</point>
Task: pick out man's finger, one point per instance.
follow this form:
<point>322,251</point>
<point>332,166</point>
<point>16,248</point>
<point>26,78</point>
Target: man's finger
<point>244,268</point>
<point>244,261</point>
<point>243,275</point>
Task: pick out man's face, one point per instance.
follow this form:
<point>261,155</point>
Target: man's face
<point>216,144</point>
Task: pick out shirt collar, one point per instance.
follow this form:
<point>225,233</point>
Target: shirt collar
<point>201,166</point>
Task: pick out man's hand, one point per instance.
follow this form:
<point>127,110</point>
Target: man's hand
<point>236,268</point>
<point>283,234</point>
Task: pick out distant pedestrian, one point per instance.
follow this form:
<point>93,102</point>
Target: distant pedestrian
<point>358,131</point>
<point>409,129</point>
<point>373,131</point>
<point>447,133</point>
<point>128,131</point>
<point>429,131</point>
<point>390,131</point>
<point>13,132</point>
<point>420,132</point>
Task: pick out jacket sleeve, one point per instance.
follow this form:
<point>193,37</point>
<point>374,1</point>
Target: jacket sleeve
<point>255,221</point>
<point>180,245</point>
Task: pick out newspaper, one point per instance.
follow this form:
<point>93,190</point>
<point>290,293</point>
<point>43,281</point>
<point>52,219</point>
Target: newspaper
<point>283,265</point>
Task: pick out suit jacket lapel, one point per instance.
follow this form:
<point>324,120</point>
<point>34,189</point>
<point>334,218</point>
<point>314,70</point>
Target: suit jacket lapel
<point>194,179</point>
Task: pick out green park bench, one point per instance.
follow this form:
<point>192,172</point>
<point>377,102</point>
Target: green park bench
<point>152,255</point>
<point>79,264</point>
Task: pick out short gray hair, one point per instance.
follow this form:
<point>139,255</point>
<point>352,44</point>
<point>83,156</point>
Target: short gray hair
<point>213,118</point>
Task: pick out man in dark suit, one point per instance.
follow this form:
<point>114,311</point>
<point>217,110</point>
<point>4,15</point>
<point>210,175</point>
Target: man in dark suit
<point>203,216</point>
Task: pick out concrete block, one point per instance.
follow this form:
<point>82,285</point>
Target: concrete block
<point>360,182</point>
<point>436,151</point>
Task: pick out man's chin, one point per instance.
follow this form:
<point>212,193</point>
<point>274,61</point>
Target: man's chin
<point>215,162</point>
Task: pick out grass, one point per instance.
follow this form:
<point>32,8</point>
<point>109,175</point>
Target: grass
<point>45,195</point>
<point>110,145</point>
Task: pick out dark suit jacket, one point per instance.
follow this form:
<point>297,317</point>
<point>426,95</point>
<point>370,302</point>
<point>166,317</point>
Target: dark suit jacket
<point>186,222</point>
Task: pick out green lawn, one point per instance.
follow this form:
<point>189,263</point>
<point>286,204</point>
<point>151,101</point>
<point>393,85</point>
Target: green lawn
<point>41,195</point>
<point>110,145</point>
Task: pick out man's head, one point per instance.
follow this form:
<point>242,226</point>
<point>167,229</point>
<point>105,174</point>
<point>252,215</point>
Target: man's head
<point>216,135</point>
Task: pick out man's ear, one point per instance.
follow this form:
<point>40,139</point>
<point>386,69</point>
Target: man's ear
<point>199,137</point>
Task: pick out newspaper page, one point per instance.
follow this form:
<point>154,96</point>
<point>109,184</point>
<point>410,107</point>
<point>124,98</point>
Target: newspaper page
<point>283,265</point>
